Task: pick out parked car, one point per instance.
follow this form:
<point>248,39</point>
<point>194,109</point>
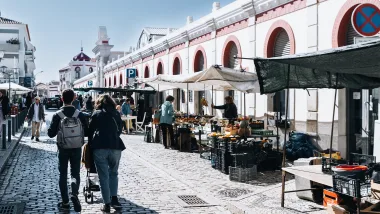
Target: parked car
<point>52,103</point>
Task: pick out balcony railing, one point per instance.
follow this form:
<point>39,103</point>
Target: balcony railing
<point>9,47</point>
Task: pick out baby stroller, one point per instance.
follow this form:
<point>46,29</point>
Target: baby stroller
<point>89,163</point>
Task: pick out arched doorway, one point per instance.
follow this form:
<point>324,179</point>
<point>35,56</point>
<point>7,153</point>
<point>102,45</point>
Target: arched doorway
<point>160,70</point>
<point>114,81</point>
<point>280,41</point>
<point>359,115</point>
<point>105,83</point>
<point>121,79</point>
<point>199,64</point>
<point>231,49</point>
<point>177,70</point>
<point>109,82</point>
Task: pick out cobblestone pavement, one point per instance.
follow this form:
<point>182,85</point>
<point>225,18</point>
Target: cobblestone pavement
<point>259,196</point>
<point>31,176</point>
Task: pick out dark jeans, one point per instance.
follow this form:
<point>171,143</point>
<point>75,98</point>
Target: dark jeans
<point>64,156</point>
<point>165,128</point>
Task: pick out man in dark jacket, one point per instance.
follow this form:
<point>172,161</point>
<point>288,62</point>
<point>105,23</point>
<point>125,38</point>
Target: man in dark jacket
<point>36,115</point>
<point>66,155</point>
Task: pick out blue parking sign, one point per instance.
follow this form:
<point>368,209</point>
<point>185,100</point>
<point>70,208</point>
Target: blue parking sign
<point>131,72</point>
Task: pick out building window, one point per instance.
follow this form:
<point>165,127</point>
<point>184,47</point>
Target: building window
<point>146,72</point>
<point>176,66</point>
<point>160,69</point>
<point>77,74</point>
<point>121,79</point>
<point>190,96</point>
<point>199,61</point>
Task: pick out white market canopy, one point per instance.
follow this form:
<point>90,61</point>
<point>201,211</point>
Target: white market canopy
<point>217,78</point>
<point>15,88</point>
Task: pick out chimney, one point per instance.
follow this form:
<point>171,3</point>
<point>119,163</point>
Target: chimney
<point>215,6</point>
<point>189,19</point>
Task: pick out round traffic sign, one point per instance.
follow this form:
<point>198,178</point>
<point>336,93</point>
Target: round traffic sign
<point>366,19</point>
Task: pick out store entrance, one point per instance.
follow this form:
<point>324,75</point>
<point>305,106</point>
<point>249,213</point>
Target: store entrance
<point>360,121</point>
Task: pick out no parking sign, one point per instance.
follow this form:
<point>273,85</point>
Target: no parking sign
<point>366,19</point>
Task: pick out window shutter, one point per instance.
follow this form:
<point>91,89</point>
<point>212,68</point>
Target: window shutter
<point>282,44</point>
<point>233,63</point>
<point>351,34</point>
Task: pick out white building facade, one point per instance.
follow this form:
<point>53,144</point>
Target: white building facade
<point>80,66</point>
<point>16,52</point>
<point>246,28</point>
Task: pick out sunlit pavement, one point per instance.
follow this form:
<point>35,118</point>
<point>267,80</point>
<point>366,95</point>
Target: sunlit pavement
<point>149,176</point>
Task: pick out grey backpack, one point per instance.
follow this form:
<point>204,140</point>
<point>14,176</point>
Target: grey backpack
<point>70,132</point>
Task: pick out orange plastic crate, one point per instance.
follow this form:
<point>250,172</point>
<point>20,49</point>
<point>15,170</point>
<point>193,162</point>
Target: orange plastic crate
<point>330,197</point>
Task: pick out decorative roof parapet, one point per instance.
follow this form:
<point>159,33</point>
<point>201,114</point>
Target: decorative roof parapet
<point>231,13</point>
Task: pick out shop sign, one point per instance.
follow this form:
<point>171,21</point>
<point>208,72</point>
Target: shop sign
<point>356,95</point>
<point>366,19</point>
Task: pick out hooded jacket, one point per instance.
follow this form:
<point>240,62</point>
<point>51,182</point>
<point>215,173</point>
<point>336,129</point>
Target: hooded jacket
<point>167,113</point>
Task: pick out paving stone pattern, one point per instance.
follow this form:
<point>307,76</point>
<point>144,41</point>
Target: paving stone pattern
<point>261,195</point>
<point>31,176</point>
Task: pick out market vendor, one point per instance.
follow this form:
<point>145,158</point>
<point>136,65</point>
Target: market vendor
<point>230,109</point>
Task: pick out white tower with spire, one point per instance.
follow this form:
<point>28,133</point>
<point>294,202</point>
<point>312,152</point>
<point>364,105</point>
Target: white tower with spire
<point>102,52</point>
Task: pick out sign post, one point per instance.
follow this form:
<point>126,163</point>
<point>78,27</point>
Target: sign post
<point>366,19</point>
<point>131,73</point>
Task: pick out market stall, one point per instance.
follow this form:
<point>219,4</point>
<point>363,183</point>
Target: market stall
<point>356,66</point>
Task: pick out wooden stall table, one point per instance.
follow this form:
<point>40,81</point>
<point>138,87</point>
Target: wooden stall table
<point>128,119</point>
<point>311,172</point>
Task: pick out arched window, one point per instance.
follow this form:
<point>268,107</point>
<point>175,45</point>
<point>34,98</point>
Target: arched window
<point>231,51</point>
<point>199,61</point>
<point>114,80</point>
<point>109,82</point>
<point>146,72</point>
<point>160,69</point>
<point>121,79</point>
<point>105,83</point>
<point>177,66</point>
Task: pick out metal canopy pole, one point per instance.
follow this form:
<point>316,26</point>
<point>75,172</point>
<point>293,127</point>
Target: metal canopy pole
<point>245,106</point>
<point>284,146</point>
<point>333,117</point>
<point>187,100</point>
<point>212,99</point>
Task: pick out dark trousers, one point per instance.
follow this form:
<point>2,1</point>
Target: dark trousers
<point>165,128</point>
<point>64,157</point>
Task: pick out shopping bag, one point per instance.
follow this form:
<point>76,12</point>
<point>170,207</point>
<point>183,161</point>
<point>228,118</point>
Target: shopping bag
<point>27,124</point>
<point>43,127</point>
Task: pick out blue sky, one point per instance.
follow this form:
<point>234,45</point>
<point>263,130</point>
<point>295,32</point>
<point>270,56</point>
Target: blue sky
<point>57,27</point>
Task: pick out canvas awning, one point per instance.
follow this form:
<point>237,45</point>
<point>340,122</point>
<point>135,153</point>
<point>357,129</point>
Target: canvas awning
<point>216,78</point>
<point>15,88</point>
<point>355,66</point>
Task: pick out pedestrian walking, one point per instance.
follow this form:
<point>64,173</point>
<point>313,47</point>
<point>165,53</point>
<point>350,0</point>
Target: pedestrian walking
<point>28,100</point>
<point>80,99</point>
<point>166,121</point>
<point>76,103</point>
<point>4,110</point>
<point>36,115</point>
<point>70,126</point>
<point>104,140</point>
<point>89,104</point>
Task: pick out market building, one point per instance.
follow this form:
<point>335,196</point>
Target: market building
<point>262,28</point>
<point>16,53</point>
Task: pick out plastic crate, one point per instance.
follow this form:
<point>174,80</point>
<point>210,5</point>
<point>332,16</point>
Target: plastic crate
<point>351,186</point>
<point>243,174</point>
<point>244,160</point>
<point>263,132</point>
<point>259,124</point>
<point>225,160</point>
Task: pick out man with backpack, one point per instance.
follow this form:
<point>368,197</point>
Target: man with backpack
<point>70,126</point>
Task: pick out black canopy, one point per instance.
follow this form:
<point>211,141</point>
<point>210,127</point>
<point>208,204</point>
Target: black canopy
<point>355,66</point>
